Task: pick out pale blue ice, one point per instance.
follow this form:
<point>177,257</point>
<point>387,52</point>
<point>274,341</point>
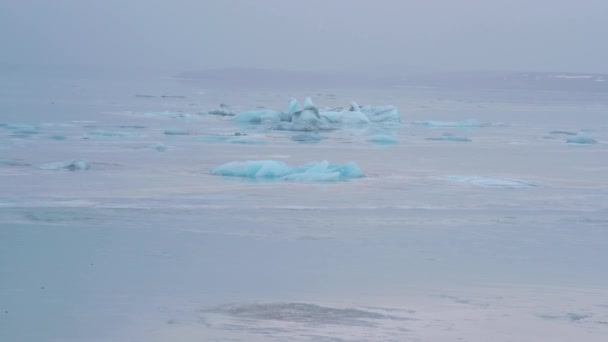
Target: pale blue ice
<point>321,171</point>
<point>489,182</point>
<point>442,124</point>
<point>581,138</point>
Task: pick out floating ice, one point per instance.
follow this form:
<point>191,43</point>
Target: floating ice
<point>22,128</point>
<point>456,124</point>
<point>236,139</point>
<point>312,137</point>
<point>259,116</point>
<point>113,134</point>
<point>269,169</point>
<point>581,138</point>
<point>489,182</point>
<point>224,110</point>
<point>383,139</point>
<point>57,137</point>
<point>176,131</point>
<point>381,113</point>
<point>449,137</point>
<point>160,147</point>
<point>562,132</point>
<point>292,107</point>
<point>71,165</point>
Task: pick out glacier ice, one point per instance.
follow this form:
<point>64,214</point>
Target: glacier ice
<point>581,138</point>
<point>231,139</point>
<point>169,115</point>
<point>259,116</point>
<point>562,132</point>
<point>381,113</point>
<point>489,182</point>
<point>70,165</point>
<point>442,124</point>
<point>449,137</point>
<point>321,171</point>
<point>160,147</point>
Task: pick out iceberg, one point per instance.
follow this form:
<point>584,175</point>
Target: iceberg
<point>270,169</point>
<point>581,138</point>
<point>70,165</point>
<point>454,124</point>
<point>489,182</point>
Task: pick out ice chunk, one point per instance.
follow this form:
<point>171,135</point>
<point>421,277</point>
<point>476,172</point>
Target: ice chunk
<point>383,139</point>
<point>237,139</point>
<point>176,131</point>
<point>71,165</point>
<point>292,107</point>
<point>308,103</point>
<point>354,107</point>
<point>381,113</point>
<point>224,110</point>
<point>113,134</point>
<point>581,138</point>
<point>57,137</point>
<point>269,169</point>
<point>449,137</point>
<point>259,116</point>
<point>489,182</point>
<point>456,124</point>
<point>345,117</point>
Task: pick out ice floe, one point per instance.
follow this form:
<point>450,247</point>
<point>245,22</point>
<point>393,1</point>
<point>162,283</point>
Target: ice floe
<point>70,165</point>
<point>489,182</point>
<point>113,134</point>
<point>224,110</point>
<point>321,171</point>
<point>22,129</point>
<point>581,138</point>
<point>176,131</point>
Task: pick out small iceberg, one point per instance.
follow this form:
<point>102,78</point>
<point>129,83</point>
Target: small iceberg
<point>449,137</point>
<point>452,124</point>
<point>160,147</point>
<point>230,139</point>
<point>224,110</point>
<point>168,115</point>
<point>381,113</point>
<point>562,133</point>
<point>270,169</point>
<point>581,138</point>
<point>312,137</point>
<point>70,165</point>
<point>489,182</point>
<point>383,139</point>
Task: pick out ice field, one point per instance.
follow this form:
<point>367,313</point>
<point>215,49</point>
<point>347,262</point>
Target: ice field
<point>143,209</point>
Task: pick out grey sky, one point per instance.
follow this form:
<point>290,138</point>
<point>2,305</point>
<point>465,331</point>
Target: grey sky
<point>565,35</point>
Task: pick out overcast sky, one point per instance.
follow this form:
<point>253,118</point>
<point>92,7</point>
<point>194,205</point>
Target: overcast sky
<point>559,35</point>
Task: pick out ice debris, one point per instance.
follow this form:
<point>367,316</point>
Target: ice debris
<point>489,182</point>
<point>270,169</point>
<point>238,138</point>
<point>562,132</point>
<point>581,138</point>
<point>70,165</point>
<point>160,147</point>
<point>449,137</point>
<point>442,124</point>
<point>169,115</point>
<point>311,137</point>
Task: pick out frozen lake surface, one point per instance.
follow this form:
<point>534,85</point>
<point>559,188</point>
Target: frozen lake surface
<point>475,220</point>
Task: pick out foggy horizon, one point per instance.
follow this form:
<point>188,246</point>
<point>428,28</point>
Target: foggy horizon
<point>337,35</point>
